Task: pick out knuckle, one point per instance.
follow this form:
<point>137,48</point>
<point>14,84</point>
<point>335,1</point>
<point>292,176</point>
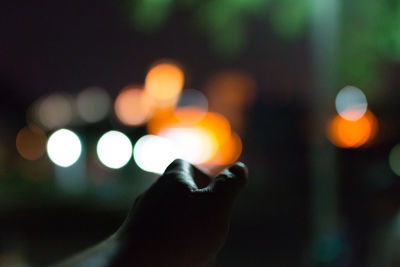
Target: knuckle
<point>176,164</point>
<point>174,181</point>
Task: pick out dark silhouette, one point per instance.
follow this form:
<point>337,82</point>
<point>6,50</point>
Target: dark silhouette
<point>181,220</point>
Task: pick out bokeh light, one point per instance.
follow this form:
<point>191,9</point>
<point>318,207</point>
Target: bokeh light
<point>193,98</point>
<point>231,89</point>
<point>229,152</point>
<point>31,142</point>
<point>64,147</point>
<point>216,126</point>
<point>164,83</point>
<point>191,107</point>
<point>200,138</point>
<point>352,134</point>
<point>230,93</point>
<point>154,153</point>
<point>195,143</point>
<point>351,103</point>
<point>162,120</point>
<point>394,159</point>
<point>55,111</point>
<point>189,115</point>
<point>114,149</point>
<point>132,106</point>
<point>93,104</point>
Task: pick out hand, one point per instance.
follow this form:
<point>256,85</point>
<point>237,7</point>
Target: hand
<point>181,220</point>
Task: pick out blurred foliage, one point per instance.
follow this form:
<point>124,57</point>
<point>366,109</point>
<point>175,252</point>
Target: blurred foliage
<point>289,18</point>
<point>149,15</point>
<point>369,33</point>
<point>370,37</point>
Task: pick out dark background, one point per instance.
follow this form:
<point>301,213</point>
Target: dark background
<point>65,46</point>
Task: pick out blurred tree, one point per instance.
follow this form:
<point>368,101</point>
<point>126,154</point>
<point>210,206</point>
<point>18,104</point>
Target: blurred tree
<point>369,33</point>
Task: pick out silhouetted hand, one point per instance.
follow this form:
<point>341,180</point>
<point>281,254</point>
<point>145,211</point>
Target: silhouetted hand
<point>181,220</point>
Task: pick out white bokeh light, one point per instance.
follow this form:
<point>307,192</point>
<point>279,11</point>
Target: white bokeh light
<point>114,149</point>
<point>193,98</point>
<point>93,104</point>
<point>351,103</point>
<point>55,111</point>
<point>64,148</point>
<point>195,144</point>
<point>394,159</point>
<point>154,153</point>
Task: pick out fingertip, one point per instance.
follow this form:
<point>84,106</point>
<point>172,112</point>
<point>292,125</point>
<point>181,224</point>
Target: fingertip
<point>179,174</point>
<point>232,179</point>
<point>178,165</point>
<point>239,169</point>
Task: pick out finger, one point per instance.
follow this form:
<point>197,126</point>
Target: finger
<point>194,174</point>
<point>180,171</point>
<point>230,182</point>
<point>213,170</point>
<point>201,179</point>
<point>178,165</point>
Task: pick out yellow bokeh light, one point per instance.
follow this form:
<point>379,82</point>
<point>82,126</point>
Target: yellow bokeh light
<point>132,106</point>
<point>164,83</point>
<point>31,142</point>
<point>352,134</point>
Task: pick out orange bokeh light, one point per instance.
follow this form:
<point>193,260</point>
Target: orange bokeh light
<point>352,134</point>
<point>212,122</point>
<point>231,89</point>
<point>215,126</point>
<point>132,106</point>
<point>170,118</point>
<point>164,83</point>
<point>161,120</point>
<point>229,152</point>
<point>31,142</point>
<point>230,93</point>
<point>189,115</point>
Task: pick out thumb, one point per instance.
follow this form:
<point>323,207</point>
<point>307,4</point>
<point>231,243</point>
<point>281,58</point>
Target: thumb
<point>230,182</point>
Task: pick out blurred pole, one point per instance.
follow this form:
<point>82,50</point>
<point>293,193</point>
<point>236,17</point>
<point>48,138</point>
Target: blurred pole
<point>325,247</point>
